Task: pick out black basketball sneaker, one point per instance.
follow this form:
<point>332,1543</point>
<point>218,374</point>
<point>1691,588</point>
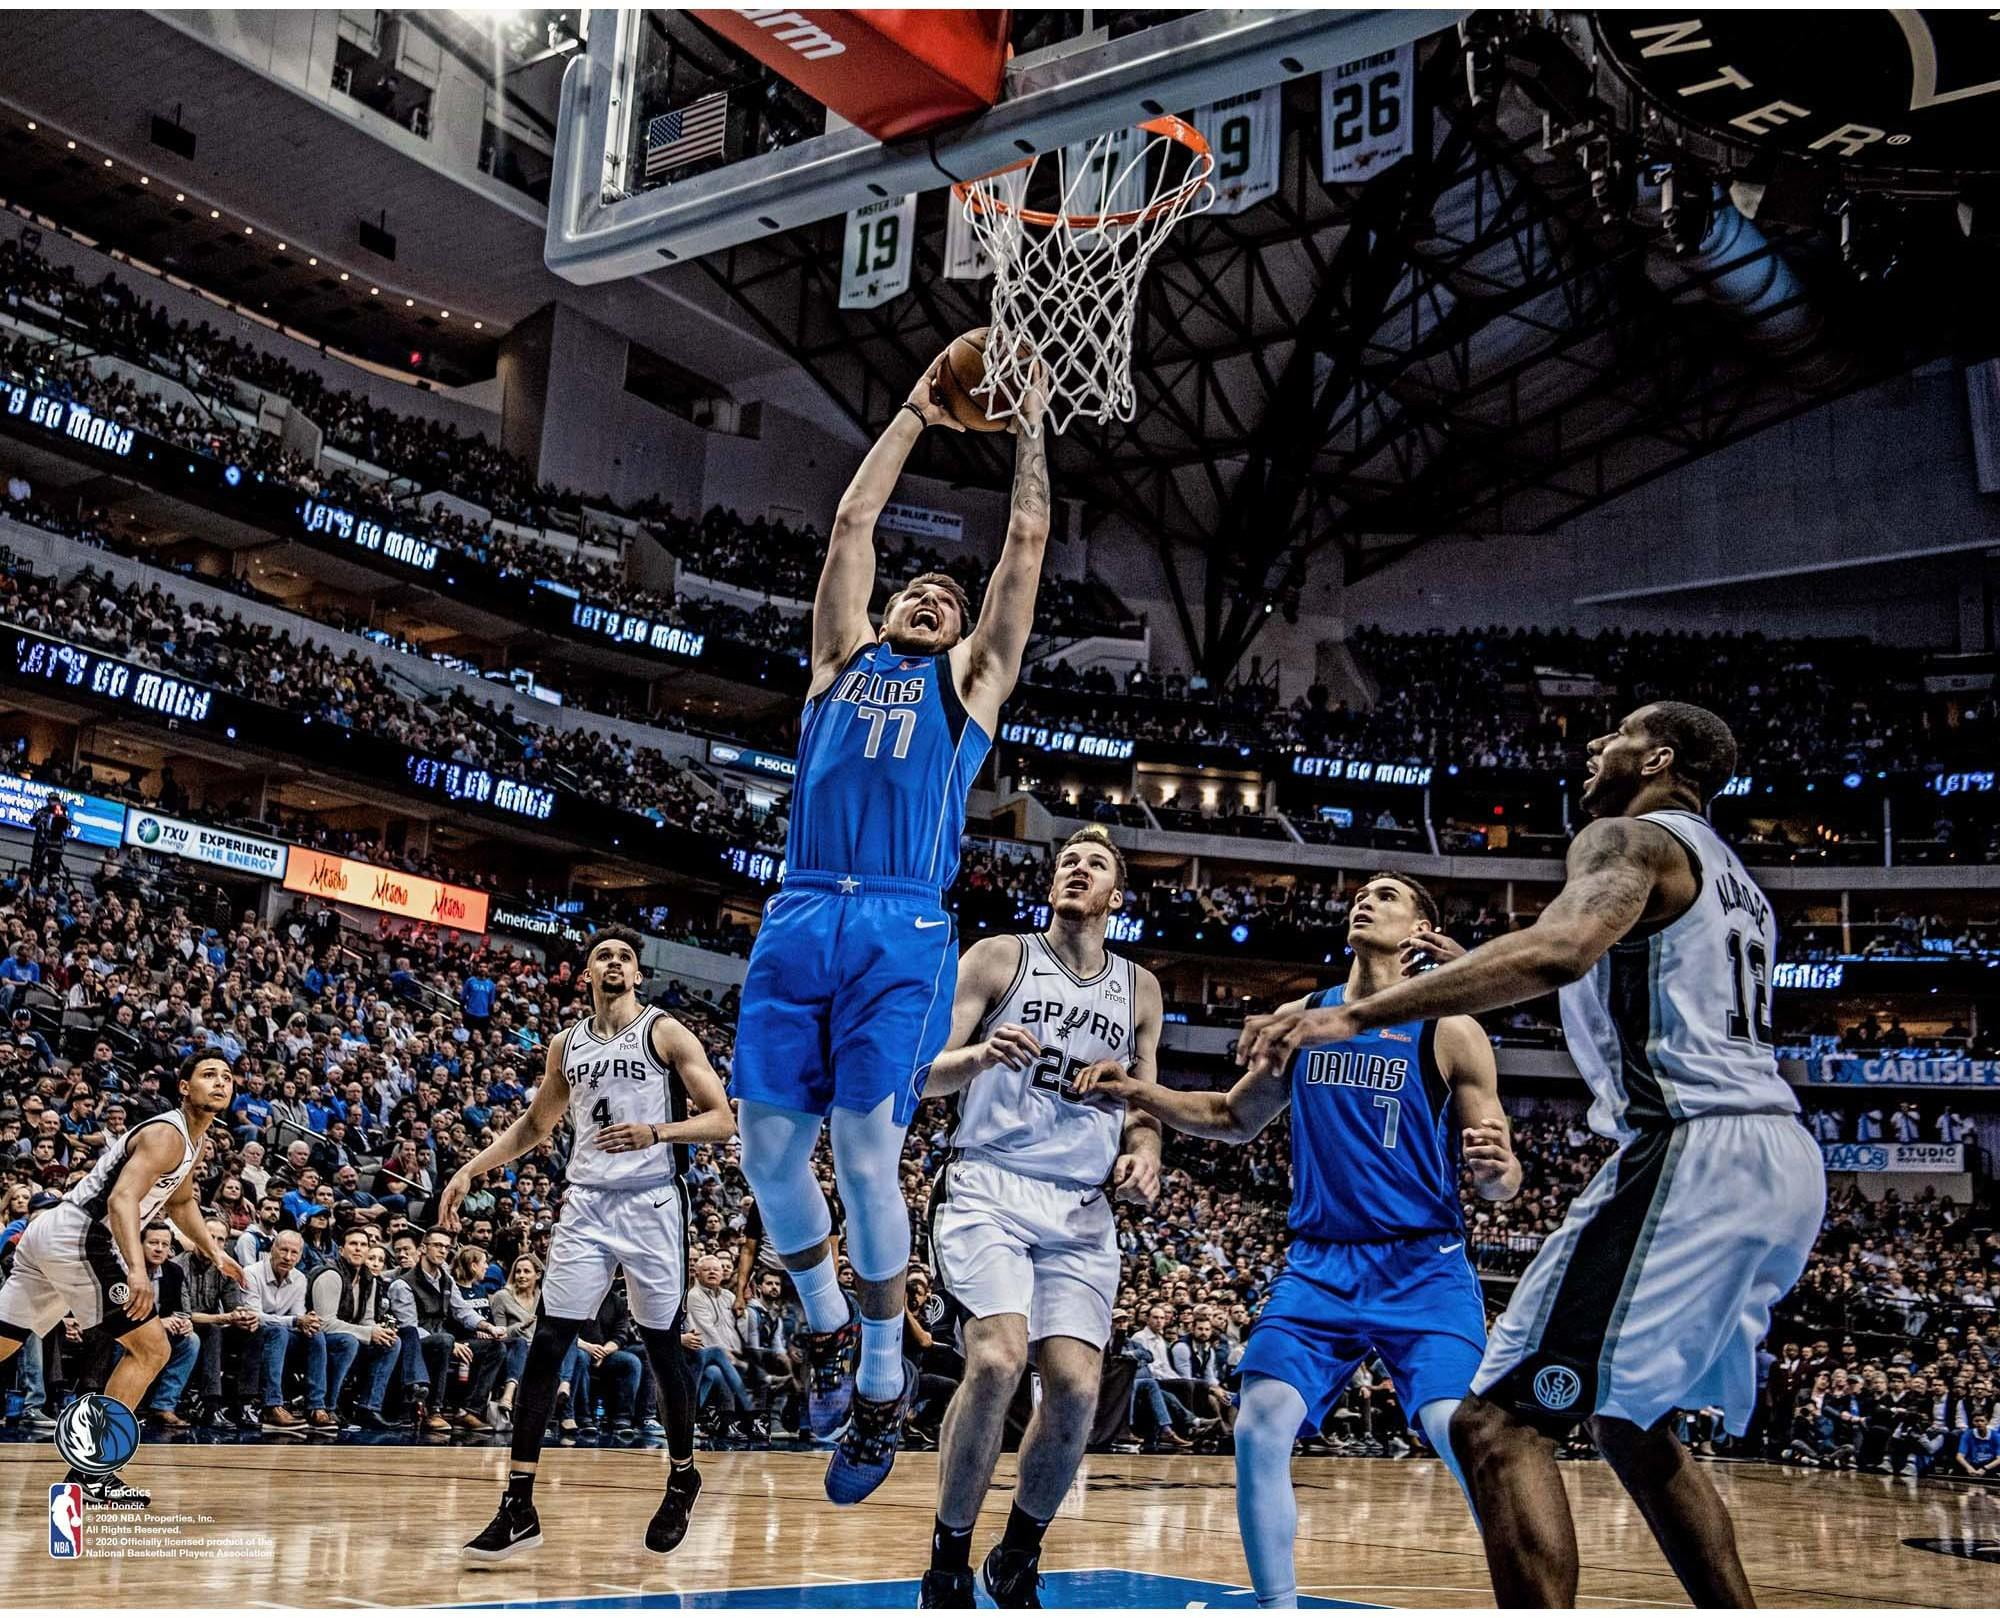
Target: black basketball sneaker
<point>515,1528</point>
<point>670,1523</point>
<point>942,1589</point>
<point>1012,1578</point>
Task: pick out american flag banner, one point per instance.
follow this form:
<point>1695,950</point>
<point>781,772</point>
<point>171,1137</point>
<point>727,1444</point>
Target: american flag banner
<point>686,133</point>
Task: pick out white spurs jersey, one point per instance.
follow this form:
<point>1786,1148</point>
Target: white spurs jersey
<point>621,1081</point>
<point>1678,1024</point>
<point>1025,1119</point>
<point>93,1192</point>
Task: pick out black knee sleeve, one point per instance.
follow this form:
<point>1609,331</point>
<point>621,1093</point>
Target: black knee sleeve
<point>536,1396</point>
<point>670,1376</point>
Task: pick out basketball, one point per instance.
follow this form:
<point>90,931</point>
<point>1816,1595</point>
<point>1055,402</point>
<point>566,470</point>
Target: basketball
<point>964,369</point>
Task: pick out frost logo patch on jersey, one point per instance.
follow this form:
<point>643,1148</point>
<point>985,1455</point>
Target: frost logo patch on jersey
<point>1557,1387</point>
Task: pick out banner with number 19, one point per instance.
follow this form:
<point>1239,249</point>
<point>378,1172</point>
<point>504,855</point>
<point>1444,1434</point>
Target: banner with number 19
<point>876,252</point>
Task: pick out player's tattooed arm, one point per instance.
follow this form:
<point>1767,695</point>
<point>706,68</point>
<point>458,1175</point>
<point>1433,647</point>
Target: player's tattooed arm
<point>983,976</point>
<point>1614,867</point>
<point>544,1111</point>
<point>994,649</point>
<point>1486,1138</point>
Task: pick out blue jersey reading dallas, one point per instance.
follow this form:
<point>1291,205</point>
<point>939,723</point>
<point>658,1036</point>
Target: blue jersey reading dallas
<point>886,757</point>
<point>848,997</point>
<point>1374,1150</point>
<point>1377,1263</point>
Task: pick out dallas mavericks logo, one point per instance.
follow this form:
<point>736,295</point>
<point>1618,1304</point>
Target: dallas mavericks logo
<point>1557,1387</point>
<point>66,1520</point>
<point>96,1435</point>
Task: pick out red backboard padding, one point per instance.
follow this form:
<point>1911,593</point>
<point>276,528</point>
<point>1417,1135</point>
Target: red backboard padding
<point>892,73</point>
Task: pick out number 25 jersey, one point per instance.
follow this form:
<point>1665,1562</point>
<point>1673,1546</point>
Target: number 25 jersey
<point>1678,1024</point>
<point>886,756</point>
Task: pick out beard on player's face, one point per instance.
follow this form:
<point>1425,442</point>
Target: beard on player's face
<point>1084,890</point>
<point>924,622</point>
<point>1614,777</point>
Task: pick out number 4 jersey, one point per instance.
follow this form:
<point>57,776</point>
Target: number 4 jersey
<point>1677,1024</point>
<point>621,1080</point>
<point>1025,1119</point>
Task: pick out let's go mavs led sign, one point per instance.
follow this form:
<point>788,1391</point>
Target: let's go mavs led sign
<point>68,418</point>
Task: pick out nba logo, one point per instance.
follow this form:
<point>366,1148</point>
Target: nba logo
<point>65,1519</point>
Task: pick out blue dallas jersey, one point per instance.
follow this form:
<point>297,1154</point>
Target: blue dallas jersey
<point>886,756</point>
<point>1374,1146</point>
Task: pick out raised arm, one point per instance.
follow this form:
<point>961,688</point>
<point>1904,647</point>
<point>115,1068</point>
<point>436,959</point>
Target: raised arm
<point>1237,1114</point>
<point>992,652</point>
<point>847,578</point>
<point>983,976</point>
<point>1135,1177</point>
<point>1615,866</point>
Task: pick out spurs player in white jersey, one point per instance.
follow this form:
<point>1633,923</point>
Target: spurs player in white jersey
<point>639,1094</point>
<point>1658,1287</point>
<point>1021,1226</point>
<point>86,1256</point>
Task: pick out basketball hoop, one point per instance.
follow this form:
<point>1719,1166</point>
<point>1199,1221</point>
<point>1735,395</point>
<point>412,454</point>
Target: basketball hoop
<point>1067,261</point>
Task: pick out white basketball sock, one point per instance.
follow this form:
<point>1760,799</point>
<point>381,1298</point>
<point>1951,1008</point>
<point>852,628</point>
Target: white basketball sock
<point>881,1372</point>
<point>820,1295</point>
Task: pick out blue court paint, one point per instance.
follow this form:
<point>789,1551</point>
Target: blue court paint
<point>1089,1587</point>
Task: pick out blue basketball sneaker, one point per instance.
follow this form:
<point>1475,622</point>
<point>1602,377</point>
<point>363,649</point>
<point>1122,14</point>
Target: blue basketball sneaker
<point>830,1357</point>
<point>864,1452</point>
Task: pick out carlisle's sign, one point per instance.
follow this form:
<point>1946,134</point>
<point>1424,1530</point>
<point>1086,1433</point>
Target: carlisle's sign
<point>1881,90</point>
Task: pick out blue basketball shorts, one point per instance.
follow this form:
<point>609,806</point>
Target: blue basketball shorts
<point>1414,1301</point>
<point>848,997</point>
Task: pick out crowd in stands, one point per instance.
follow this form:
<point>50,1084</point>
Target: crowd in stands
<point>151,626</point>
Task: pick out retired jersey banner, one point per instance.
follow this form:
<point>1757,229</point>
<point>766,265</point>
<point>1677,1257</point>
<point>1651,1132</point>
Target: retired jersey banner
<point>964,257</point>
<point>876,252</point>
<point>1365,117</point>
<point>375,887</point>
<point>1938,1070</point>
<point>1244,134</point>
<point>1895,1157</point>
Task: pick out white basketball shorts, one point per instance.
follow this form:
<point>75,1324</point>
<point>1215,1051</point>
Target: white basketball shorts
<point>1659,1285</point>
<point>642,1231</point>
<point>1011,1244</point>
<point>66,1263</point>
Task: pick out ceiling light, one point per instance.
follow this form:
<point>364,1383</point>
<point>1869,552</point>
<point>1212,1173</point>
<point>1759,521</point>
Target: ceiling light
<point>479,325</point>
<point>409,303</point>
<point>180,196</point>
<point>343,275</point>
<point>213,214</point>
<point>33,125</point>
<point>145,179</point>
<point>72,146</point>
<point>248,231</point>
<point>107,162</point>
<point>374,292</point>
<point>312,261</point>
<point>444,314</point>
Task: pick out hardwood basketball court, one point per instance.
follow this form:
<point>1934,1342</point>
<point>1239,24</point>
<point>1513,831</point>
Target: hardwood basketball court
<point>360,1525</point>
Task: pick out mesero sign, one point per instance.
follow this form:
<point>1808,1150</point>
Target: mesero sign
<point>375,887</point>
<point>232,850</point>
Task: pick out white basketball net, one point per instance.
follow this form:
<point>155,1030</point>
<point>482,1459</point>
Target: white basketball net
<point>1066,273</point>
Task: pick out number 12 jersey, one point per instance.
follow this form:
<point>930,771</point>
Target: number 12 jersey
<point>1677,1024</point>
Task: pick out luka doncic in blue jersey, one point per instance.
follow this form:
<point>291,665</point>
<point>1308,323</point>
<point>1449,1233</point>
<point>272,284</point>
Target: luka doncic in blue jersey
<point>885,760</point>
<point>1377,1262</point>
<point>848,998</point>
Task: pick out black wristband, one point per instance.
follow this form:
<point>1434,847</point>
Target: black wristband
<point>923,421</point>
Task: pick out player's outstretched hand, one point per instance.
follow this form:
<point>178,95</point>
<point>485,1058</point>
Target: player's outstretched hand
<point>1269,1043</point>
<point>1010,1045</point>
<point>1487,1153</point>
<point>928,397</point>
<point>234,1271</point>
<point>1135,1178</point>
<point>456,1190</point>
<point>1027,418</point>
<point>1108,1079</point>
<point>626,1138</point>
<point>1427,947</point>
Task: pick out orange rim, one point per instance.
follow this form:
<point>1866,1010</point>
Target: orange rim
<point>1175,129</point>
